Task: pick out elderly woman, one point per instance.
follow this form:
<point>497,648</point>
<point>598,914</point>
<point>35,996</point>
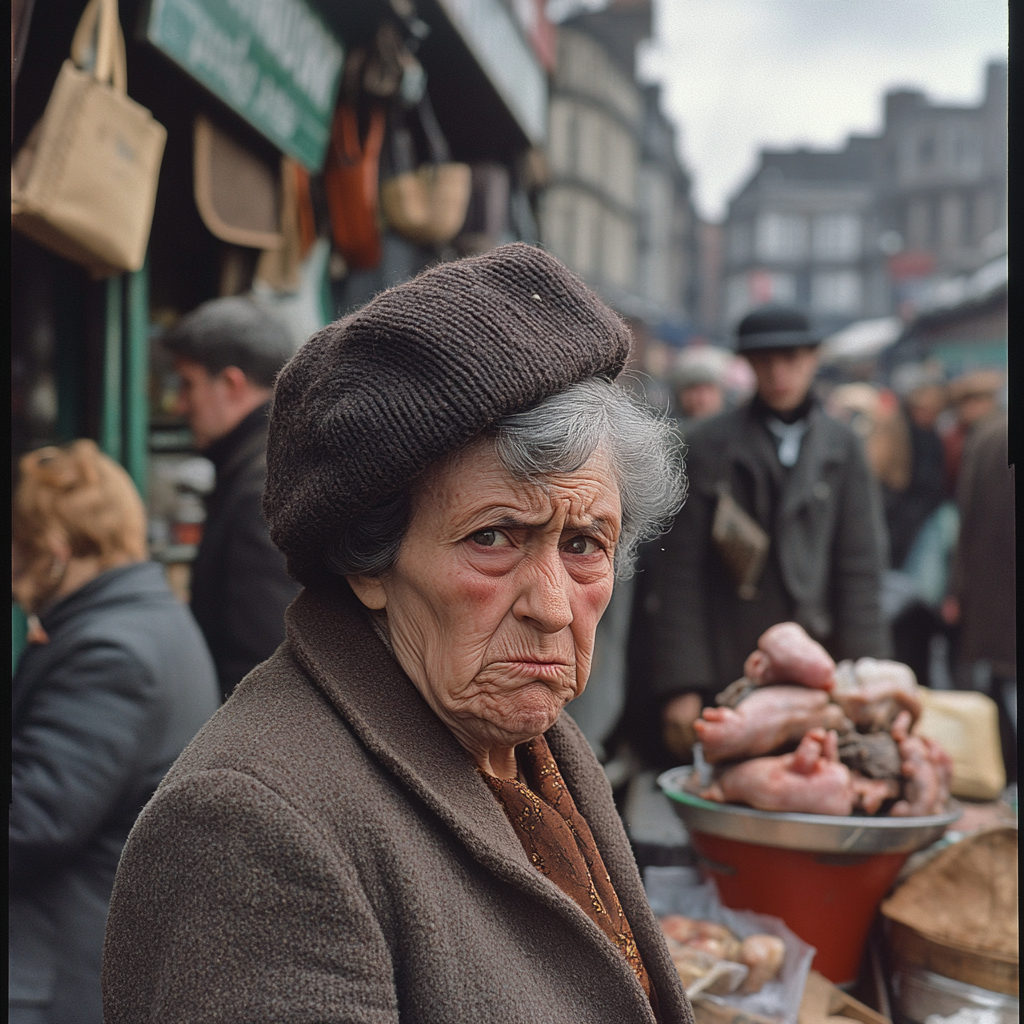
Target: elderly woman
<point>115,681</point>
<point>392,818</point>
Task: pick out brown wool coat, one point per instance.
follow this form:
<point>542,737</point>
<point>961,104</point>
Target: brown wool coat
<point>325,851</point>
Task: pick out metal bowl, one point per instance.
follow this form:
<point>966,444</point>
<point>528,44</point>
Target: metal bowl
<point>820,833</point>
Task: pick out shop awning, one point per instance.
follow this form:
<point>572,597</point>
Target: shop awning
<point>864,339</point>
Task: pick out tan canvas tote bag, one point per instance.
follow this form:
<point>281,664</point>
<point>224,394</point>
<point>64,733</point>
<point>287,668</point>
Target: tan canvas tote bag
<point>84,183</point>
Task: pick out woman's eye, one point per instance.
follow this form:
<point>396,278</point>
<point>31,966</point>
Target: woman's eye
<point>582,546</point>
<point>489,538</point>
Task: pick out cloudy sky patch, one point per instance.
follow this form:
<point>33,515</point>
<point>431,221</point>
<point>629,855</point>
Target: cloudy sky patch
<point>741,74</point>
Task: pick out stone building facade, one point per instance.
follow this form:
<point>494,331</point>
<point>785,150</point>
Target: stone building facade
<point>941,185</point>
<point>617,208</point>
<point>799,232</point>
<point>864,231</point>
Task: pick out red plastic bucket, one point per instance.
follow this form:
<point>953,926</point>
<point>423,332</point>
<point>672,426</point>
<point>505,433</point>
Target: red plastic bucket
<point>828,899</point>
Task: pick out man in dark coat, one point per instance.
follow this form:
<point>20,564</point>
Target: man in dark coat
<point>803,480</point>
<point>227,353</point>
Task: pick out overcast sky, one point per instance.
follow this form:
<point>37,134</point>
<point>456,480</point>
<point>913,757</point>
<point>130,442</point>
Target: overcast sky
<point>741,74</point>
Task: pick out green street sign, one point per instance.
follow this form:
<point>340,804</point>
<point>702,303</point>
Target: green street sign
<point>272,61</point>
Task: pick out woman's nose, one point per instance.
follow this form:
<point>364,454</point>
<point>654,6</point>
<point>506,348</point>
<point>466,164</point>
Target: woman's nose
<point>543,598</point>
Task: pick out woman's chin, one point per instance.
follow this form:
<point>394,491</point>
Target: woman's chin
<point>527,713</point>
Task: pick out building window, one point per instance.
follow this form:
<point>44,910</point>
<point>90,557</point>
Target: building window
<point>837,291</point>
<point>968,155</point>
<point>951,223</point>
<point>984,215</point>
<point>755,288</point>
<point>837,236</point>
<point>919,226</point>
<point>739,243</point>
<point>781,236</point>
<point>926,151</point>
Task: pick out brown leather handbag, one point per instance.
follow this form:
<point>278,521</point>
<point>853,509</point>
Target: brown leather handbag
<point>350,180</point>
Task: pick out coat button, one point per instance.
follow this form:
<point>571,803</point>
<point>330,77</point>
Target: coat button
<point>821,490</point>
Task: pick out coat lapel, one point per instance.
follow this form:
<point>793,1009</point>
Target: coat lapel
<point>386,712</point>
<point>753,450</point>
<point>820,447</point>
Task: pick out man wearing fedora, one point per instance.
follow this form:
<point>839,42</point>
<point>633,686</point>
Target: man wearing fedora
<point>783,521</point>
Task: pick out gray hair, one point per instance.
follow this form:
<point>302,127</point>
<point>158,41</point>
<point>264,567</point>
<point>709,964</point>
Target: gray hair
<point>558,435</point>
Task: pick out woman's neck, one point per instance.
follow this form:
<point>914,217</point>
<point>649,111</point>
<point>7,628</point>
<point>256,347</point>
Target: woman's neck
<point>80,571</point>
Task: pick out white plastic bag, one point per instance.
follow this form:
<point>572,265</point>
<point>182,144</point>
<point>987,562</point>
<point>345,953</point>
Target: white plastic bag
<point>674,890</point>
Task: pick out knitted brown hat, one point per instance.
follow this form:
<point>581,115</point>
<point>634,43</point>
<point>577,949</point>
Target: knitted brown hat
<point>369,402</point>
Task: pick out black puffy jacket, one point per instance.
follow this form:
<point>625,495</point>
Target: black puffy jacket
<point>98,715</point>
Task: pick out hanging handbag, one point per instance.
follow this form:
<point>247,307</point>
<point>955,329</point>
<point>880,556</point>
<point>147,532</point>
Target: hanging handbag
<point>741,542</point>
<point>487,213</point>
<point>279,267</point>
<point>426,205</point>
<point>84,183</point>
<point>238,194</point>
<point>350,179</point>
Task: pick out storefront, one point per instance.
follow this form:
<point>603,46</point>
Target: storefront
<point>262,80</point>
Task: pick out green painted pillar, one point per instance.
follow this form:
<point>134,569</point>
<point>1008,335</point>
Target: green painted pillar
<point>111,440</point>
<point>136,379</point>
<point>19,633</point>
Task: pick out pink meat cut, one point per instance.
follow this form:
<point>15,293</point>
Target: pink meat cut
<point>927,772</point>
<point>786,654</point>
<point>873,692</point>
<point>809,781</point>
<point>768,720</point>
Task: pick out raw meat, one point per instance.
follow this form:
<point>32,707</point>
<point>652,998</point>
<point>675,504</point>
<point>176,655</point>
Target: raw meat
<point>786,654</point>
<point>870,794</point>
<point>706,935</point>
<point>768,720</point>
<point>927,772</point>
<point>873,692</point>
<point>875,755</point>
<point>696,945</point>
<point>679,928</point>
<point>810,780</point>
<point>763,955</point>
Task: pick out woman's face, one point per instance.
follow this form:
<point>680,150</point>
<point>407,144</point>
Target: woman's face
<point>494,601</point>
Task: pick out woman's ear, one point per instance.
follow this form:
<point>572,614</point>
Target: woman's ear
<point>370,591</point>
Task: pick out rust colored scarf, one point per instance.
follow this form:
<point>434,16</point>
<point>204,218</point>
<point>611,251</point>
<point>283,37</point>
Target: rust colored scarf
<point>560,845</point>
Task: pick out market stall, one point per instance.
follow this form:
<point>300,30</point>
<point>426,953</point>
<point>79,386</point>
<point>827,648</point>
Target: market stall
<point>250,192</point>
<point>820,794</point>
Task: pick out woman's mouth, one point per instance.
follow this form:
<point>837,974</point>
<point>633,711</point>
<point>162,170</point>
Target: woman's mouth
<point>543,670</point>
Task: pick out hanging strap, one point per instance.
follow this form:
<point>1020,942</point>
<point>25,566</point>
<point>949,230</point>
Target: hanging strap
<point>99,33</point>
<point>437,143</point>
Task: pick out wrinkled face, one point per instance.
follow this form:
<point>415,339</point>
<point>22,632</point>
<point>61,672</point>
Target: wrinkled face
<point>494,601</point>
<point>784,375</point>
<point>204,401</point>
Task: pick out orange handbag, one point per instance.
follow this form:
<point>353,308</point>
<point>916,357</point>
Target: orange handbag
<point>350,180</point>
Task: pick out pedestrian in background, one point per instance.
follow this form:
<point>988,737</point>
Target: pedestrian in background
<point>974,397</point>
<point>115,682</point>
<point>922,520</point>
<point>698,382</point>
<point>227,353</point>
<point>982,597</point>
<point>783,521</point>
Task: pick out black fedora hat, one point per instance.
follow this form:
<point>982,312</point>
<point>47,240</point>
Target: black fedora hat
<point>774,327</point>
